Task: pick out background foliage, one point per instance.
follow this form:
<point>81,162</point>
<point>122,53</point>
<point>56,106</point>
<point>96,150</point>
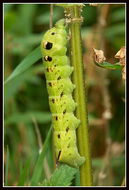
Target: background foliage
<point>26,110</point>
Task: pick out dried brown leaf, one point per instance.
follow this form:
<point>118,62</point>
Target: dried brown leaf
<point>99,56</point>
<point>121,53</point>
<point>121,56</point>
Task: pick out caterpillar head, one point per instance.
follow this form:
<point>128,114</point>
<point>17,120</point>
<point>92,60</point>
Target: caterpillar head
<point>54,41</point>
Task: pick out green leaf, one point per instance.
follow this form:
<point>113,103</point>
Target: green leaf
<point>39,164</point>
<point>34,56</point>
<point>62,176</point>
<point>41,117</point>
<point>107,65</point>
<point>77,178</point>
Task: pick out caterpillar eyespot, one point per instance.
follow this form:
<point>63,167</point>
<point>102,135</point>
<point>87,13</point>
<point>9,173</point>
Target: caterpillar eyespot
<point>53,33</point>
<point>47,58</point>
<point>48,45</point>
<point>60,88</point>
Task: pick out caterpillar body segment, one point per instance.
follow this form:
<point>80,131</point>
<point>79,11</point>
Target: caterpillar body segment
<point>60,88</point>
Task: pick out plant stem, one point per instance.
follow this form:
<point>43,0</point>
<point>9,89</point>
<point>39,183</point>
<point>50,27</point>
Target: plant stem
<point>80,97</point>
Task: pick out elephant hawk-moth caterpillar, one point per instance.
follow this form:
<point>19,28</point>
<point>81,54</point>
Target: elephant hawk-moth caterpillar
<point>60,87</point>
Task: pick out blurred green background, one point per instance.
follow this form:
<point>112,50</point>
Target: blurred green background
<point>27,117</point>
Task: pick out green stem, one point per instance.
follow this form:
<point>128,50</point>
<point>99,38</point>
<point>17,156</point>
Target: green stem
<point>80,97</point>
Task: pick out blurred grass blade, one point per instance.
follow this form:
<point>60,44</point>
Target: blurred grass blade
<point>34,56</point>
<point>39,164</point>
<point>7,166</point>
<point>26,15</point>
<point>107,65</point>
<point>24,174</point>
<point>41,117</point>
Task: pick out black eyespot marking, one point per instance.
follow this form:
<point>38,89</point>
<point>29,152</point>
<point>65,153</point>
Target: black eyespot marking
<point>48,58</point>
<point>52,33</point>
<point>53,101</point>
<point>56,118</point>
<point>48,45</point>
<point>64,111</point>
<point>59,78</point>
<point>67,129</point>
<point>50,84</point>
<point>59,155</point>
<point>61,94</point>
<point>51,69</point>
<point>58,136</point>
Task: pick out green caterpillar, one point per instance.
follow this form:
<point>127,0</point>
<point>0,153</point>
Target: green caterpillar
<point>60,87</point>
